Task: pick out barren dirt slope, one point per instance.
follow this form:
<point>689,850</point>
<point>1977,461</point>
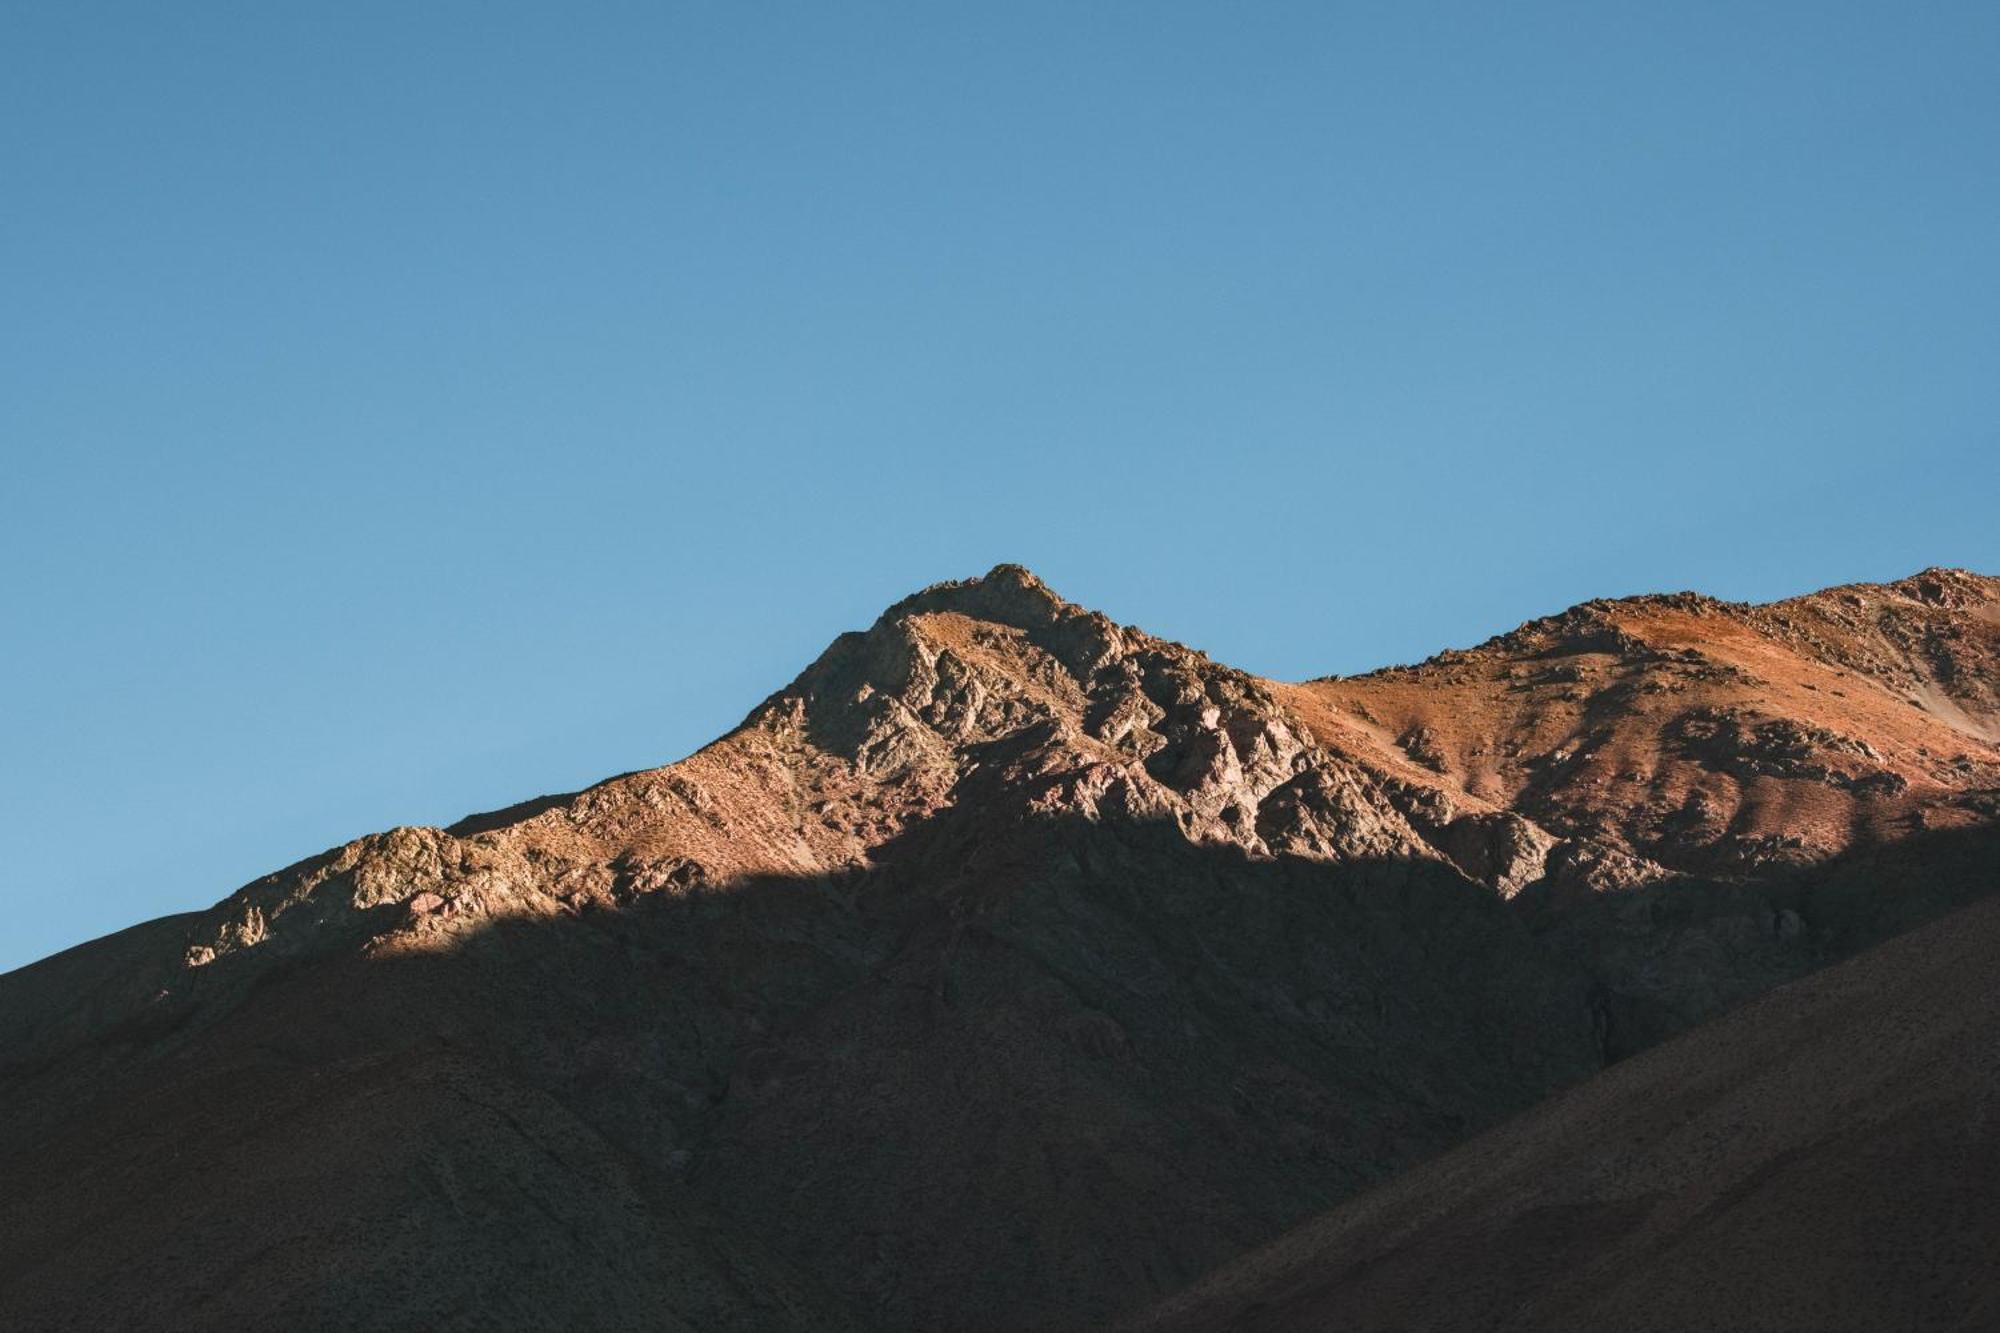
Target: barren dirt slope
<point>1823,1158</point>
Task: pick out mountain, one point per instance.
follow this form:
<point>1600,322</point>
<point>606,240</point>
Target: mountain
<point>1822,1158</point>
<point>1010,968</point>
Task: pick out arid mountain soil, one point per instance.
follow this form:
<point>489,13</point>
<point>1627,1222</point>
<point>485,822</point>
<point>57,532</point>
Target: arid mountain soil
<point>1823,1158</point>
<point>1011,968</point>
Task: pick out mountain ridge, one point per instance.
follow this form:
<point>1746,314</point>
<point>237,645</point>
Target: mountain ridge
<point>1009,963</point>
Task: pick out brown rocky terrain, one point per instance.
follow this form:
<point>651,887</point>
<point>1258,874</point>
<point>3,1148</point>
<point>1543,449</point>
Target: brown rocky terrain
<point>1011,968</point>
<point>1822,1158</point>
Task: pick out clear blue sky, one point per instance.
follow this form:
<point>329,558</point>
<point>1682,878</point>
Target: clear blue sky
<point>408,409</point>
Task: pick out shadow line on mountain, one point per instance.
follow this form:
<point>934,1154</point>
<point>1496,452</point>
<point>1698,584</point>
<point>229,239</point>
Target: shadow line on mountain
<point>1053,1072</point>
<point>1054,1060</point>
<point>1041,1071</point>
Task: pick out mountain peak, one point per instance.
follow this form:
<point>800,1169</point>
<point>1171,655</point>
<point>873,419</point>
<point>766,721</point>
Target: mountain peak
<point>1612,745</point>
<point>1007,594</point>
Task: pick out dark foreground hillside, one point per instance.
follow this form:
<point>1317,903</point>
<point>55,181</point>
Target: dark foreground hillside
<point>1013,968</point>
<point>1825,1158</point>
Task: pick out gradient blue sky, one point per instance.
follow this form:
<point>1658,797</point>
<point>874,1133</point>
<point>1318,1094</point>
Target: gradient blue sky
<point>408,409</point>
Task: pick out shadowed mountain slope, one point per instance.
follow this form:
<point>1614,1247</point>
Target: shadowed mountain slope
<point>1009,968</point>
<point>1822,1158</point>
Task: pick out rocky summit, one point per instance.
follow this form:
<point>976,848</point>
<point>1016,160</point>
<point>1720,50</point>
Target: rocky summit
<point>1011,968</point>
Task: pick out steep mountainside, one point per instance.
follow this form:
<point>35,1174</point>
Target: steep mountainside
<point>1822,1159</point>
<point>1009,968</point>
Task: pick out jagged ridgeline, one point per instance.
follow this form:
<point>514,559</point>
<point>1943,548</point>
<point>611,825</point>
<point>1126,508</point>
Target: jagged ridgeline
<point>1010,968</point>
